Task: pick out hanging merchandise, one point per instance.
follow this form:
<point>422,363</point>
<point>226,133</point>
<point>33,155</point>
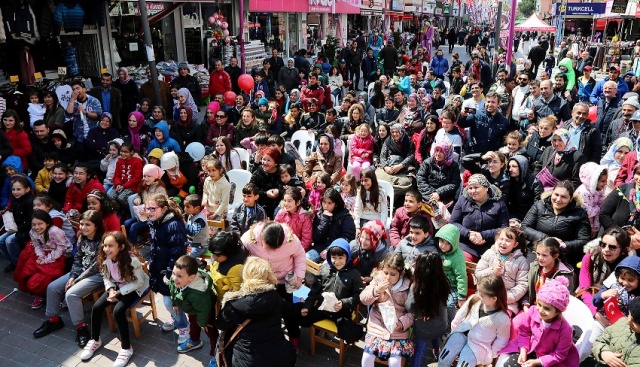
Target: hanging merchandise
<point>46,18</point>
<point>71,60</point>
<point>69,14</point>
<point>26,66</point>
<point>20,21</point>
<point>220,28</point>
<point>94,12</point>
<point>3,34</point>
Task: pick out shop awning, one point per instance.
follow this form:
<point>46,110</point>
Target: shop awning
<point>534,23</point>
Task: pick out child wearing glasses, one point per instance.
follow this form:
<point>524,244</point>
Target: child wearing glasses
<point>151,184</point>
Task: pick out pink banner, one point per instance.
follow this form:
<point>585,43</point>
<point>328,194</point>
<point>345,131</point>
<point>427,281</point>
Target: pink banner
<point>305,6</point>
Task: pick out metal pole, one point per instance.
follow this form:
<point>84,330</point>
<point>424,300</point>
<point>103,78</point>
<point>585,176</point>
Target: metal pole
<point>241,36</point>
<point>512,28</point>
<point>149,49</point>
<point>497,37</point>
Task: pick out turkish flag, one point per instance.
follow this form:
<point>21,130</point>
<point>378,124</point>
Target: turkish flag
<point>612,310</point>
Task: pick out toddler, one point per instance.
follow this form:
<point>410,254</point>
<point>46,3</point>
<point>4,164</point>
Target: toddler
<point>43,179</point>
<point>369,248</point>
<point>454,264</point>
<point>36,109</point>
<point>348,191</point>
<point>361,150</point>
<point>321,181</point>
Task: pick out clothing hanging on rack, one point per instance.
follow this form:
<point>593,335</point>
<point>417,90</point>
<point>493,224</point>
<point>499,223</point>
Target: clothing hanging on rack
<point>20,21</point>
<point>27,69</point>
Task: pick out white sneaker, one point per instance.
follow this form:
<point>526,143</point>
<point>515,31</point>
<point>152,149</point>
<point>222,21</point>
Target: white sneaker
<point>167,326</point>
<point>183,335</point>
<point>90,348</point>
<point>123,357</point>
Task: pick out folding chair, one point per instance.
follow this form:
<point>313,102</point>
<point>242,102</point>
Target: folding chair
<point>240,177</point>
<point>244,157</point>
<point>389,192</point>
<point>304,138</point>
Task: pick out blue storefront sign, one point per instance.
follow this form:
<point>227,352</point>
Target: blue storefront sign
<point>585,8</point>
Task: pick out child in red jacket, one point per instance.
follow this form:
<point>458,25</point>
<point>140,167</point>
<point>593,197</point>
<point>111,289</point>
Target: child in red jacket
<point>127,176</point>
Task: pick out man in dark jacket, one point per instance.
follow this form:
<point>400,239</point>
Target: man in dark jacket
<point>354,58</point>
<point>622,125</point>
<point>369,67</point>
<point>289,77</point>
<point>488,126</point>
<point>389,56</point>
<point>185,80</point>
<point>585,60</point>
<point>40,144</point>
<point>549,104</point>
<point>234,72</point>
<point>483,70</point>
<point>521,195</point>
<point>301,62</point>
<point>110,98</point>
<point>536,55</point>
<point>276,62</point>
<point>607,107</point>
<point>147,91</point>
<point>584,136</point>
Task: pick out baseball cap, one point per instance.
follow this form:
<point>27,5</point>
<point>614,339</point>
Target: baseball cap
<point>342,61</point>
<point>615,67</point>
<point>587,68</point>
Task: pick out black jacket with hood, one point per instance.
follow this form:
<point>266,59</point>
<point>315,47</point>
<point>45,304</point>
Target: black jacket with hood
<point>521,195</point>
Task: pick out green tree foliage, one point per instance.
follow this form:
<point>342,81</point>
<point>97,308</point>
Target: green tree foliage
<point>526,7</point>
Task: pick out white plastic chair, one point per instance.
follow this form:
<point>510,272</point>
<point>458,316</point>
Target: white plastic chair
<point>448,86</point>
<point>244,156</point>
<point>388,190</point>
<point>240,177</point>
<point>343,148</point>
<point>304,137</point>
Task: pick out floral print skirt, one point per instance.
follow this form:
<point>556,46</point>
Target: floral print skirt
<point>383,349</point>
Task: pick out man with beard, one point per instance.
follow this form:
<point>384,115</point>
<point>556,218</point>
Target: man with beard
<point>520,93</point>
<point>487,126</point>
<point>560,90</point>
<point>40,144</point>
<point>110,98</point>
<point>584,136</point>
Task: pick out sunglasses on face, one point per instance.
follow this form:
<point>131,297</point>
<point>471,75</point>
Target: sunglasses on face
<point>604,245</point>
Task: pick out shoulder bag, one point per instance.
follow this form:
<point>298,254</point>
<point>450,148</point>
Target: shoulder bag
<point>221,358</point>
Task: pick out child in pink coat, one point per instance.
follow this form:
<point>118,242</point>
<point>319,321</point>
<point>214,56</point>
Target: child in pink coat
<point>361,150</point>
<point>545,337</point>
<point>299,220</point>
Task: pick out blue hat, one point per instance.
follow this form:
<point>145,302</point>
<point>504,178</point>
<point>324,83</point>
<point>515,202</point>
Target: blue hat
<point>630,262</point>
<point>263,102</point>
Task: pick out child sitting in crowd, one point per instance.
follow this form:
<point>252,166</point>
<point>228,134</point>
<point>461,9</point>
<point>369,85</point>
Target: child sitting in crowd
<point>249,212</point>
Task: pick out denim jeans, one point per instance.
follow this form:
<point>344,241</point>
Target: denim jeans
<point>9,247</point>
<point>179,318</point>
<point>133,228</point>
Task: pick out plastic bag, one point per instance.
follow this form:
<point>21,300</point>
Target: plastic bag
<point>9,222</point>
<point>389,317</point>
<point>329,302</point>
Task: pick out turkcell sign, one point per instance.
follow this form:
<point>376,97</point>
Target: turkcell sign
<point>585,8</point>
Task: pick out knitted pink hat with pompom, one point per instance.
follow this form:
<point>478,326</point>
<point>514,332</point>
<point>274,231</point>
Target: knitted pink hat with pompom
<point>556,293</point>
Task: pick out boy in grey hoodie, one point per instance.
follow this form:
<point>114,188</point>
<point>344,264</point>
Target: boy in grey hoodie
<point>418,240</point>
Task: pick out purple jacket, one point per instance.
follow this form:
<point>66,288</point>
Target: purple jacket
<point>553,345</point>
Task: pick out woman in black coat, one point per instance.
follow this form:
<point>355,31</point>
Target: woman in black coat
<point>261,342</point>
<point>622,207</point>
<point>439,175</point>
<point>97,142</point>
<point>558,214</point>
<point>333,221</point>
<point>267,178</point>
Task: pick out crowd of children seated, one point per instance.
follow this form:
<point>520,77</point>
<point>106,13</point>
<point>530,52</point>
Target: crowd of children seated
<point>470,264</point>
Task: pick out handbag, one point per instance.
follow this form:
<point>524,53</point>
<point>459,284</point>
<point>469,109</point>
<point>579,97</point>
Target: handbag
<point>221,358</point>
<point>545,177</point>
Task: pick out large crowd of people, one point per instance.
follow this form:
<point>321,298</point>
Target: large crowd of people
<point>463,211</point>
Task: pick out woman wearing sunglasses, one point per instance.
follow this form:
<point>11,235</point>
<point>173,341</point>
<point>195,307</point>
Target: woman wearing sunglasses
<point>598,263</point>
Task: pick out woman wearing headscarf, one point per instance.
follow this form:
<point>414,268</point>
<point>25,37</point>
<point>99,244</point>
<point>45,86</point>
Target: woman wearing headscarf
<point>410,117</point>
<point>559,162</point>
<point>396,160</point>
<point>130,93</point>
<point>186,130</point>
<point>324,159</point>
<point>439,175</point>
<point>138,133</point>
<point>218,124</point>
<point>478,214</point>
<point>185,99</point>
<point>98,138</point>
<point>426,102</point>
<point>294,97</point>
<point>288,76</point>
<point>613,160</point>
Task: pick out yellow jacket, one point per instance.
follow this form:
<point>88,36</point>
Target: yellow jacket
<point>43,180</point>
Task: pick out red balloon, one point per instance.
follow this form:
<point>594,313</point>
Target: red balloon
<point>593,114</point>
<point>245,82</point>
<point>229,98</point>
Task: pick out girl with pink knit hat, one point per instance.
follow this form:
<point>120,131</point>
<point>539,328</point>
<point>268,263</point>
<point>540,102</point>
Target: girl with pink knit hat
<point>151,184</point>
<point>545,337</point>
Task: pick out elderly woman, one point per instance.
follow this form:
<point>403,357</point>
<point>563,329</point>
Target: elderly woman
<point>396,159</point>
<point>98,138</point>
<point>558,214</point>
<point>267,178</point>
<point>561,161</point>
<point>410,116</point>
<point>439,175</point>
<point>276,243</point>
<point>478,214</point>
<point>324,159</point>
<point>601,259</point>
<point>257,306</point>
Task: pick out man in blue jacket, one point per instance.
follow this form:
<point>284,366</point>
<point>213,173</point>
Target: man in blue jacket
<point>439,65</point>
<point>488,126</point>
<point>614,76</point>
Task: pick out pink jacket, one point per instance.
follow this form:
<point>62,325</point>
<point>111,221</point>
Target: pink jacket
<point>359,146</point>
<point>375,325</point>
<point>515,273</point>
<point>288,257</point>
<point>400,225</point>
<point>553,345</point>
<point>300,224</point>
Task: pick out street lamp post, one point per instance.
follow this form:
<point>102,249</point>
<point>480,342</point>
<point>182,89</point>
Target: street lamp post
<point>149,50</point>
<point>496,41</point>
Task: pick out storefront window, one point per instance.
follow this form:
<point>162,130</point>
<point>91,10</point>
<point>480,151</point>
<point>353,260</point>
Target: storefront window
<point>267,28</point>
<point>293,34</point>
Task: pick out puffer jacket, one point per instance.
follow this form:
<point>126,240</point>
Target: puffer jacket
<point>328,228</point>
<point>311,91</point>
<point>514,274</point>
<point>521,195</point>
<point>288,257</point>
<point>261,342</point>
<point>439,65</point>
<point>410,252</point>
<point>345,283</point>
<point>485,219</point>
<point>535,148</point>
<point>441,179</point>
<point>76,194</point>
<point>592,198</point>
<point>227,275</point>
<point>571,225</point>
<point>618,338</point>
<point>300,224</point>
<point>398,299</point>
<point>197,298</point>
<point>359,146</point>
<point>128,173</point>
<point>168,243</point>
